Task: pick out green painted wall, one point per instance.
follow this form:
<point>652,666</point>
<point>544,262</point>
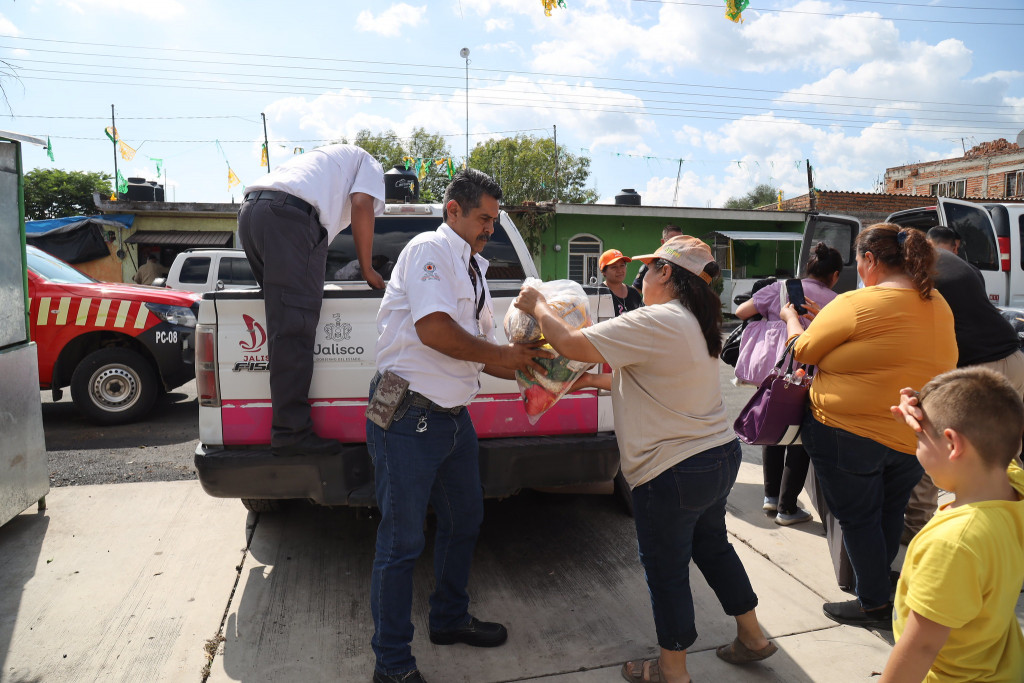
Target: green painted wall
<point>642,235</point>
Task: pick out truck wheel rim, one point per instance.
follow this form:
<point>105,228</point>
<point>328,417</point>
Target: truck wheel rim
<point>115,388</point>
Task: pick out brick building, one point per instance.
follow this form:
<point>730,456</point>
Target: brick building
<point>992,170</point>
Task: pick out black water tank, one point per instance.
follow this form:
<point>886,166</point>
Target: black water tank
<point>140,191</point>
<point>158,191</point>
<point>628,196</point>
<point>401,186</point>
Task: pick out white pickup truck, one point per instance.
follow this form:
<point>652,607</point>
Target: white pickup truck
<point>991,239</point>
<point>572,444</point>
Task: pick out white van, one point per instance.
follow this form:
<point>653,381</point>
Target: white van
<point>209,270</point>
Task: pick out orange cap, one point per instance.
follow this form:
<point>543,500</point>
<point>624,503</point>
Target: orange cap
<point>611,256</point>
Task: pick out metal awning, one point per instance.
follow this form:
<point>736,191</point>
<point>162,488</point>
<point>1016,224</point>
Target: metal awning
<point>755,236</point>
<point>184,238</point>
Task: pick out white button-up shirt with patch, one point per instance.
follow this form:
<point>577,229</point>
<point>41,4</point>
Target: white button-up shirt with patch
<point>432,275</point>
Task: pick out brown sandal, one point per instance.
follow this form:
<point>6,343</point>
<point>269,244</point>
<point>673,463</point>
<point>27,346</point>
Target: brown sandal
<point>738,653</point>
<point>637,673</point>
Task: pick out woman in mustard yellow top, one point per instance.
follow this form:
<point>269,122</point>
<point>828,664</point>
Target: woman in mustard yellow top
<point>869,343</point>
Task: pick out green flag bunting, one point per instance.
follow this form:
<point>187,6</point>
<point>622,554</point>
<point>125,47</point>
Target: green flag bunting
<point>49,148</point>
<point>122,184</point>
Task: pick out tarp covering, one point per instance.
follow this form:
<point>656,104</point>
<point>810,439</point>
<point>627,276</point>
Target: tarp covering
<point>75,241</point>
<point>116,220</point>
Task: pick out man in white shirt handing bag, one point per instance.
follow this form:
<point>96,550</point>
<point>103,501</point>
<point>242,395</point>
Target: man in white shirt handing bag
<point>436,326</point>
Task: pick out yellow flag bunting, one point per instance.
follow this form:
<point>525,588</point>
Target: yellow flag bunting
<point>232,179</point>
<point>127,153</point>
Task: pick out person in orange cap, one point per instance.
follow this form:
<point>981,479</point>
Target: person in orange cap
<point>613,267</point>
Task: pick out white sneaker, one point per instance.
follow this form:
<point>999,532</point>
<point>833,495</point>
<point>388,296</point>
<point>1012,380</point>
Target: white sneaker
<point>791,518</point>
<point>771,504</point>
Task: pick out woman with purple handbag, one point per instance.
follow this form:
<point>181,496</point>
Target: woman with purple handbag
<point>764,341</point>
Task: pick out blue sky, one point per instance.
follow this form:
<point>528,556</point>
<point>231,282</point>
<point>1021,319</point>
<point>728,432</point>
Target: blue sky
<point>854,86</point>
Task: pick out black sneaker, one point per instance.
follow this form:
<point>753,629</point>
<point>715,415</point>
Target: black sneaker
<point>311,444</point>
<point>852,614</point>
<point>476,633</point>
<point>413,676</point>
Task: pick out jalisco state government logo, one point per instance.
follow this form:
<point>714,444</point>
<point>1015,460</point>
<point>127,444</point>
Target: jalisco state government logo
<point>337,331</point>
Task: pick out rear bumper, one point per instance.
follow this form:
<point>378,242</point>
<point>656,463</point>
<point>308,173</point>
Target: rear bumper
<point>506,466</point>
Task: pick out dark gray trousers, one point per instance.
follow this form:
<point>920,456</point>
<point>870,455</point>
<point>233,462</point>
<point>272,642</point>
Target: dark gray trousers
<point>287,249</point>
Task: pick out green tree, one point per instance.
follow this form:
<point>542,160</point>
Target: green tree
<point>53,193</point>
<point>524,166</point>
<point>761,195</point>
<point>391,150</point>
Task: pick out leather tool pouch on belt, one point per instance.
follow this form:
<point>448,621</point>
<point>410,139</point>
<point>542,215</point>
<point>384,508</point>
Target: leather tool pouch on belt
<point>387,398</point>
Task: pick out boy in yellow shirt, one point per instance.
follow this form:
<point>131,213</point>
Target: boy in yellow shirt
<point>953,616</point>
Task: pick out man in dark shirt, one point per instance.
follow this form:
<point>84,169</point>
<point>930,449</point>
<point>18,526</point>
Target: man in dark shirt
<point>613,267</point>
<point>983,337</point>
<point>667,233</point>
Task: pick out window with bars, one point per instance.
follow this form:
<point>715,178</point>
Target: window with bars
<point>1014,186</point>
<point>951,188</point>
<point>584,252</point>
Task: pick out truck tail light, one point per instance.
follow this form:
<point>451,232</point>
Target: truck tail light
<point>206,366</point>
<point>1004,253</point>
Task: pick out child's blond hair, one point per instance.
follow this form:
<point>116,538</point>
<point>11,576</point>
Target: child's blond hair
<point>982,406</point>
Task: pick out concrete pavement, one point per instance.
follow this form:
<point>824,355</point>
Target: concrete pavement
<point>156,581</point>
<point>135,582</point>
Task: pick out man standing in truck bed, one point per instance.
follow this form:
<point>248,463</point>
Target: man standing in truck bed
<point>436,330</point>
<point>285,225</point>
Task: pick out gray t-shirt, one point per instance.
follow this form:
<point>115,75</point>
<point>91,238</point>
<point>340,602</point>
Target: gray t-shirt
<point>666,394</point>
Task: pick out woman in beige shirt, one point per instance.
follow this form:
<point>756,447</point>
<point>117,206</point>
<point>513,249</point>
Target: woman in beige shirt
<point>677,449</point>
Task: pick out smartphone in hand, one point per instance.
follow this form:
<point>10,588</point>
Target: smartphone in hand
<point>795,294</point>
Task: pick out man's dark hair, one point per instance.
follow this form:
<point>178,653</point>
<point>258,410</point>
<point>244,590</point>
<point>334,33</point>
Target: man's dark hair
<point>151,257</point>
<point>467,187</point>
<point>940,234</point>
<point>669,230</point>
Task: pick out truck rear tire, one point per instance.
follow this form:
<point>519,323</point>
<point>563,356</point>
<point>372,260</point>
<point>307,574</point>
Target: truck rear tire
<point>262,504</point>
<point>114,386</point>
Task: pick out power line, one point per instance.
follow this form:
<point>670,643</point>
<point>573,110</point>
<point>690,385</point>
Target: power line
<point>618,109</point>
<point>122,57</point>
<point>579,97</point>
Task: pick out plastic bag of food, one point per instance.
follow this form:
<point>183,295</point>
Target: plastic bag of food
<point>568,300</point>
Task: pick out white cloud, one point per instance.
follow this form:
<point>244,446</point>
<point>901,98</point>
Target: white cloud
<point>390,21</point>
<point>497,25</point>
<point>151,9</point>
<point>7,27</point>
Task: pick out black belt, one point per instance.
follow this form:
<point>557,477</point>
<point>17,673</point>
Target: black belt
<point>289,199</point>
<point>421,401</point>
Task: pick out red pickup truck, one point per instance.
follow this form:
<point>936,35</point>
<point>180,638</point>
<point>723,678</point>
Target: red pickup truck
<point>118,346</point>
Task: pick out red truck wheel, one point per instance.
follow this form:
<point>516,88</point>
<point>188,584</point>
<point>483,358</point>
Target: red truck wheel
<point>114,386</point>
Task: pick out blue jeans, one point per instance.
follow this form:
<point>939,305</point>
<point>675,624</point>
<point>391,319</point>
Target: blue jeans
<point>679,514</point>
<point>440,467</point>
<point>867,486</point>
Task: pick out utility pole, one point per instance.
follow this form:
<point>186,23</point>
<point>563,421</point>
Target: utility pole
<point>464,53</point>
<point>810,187</point>
<point>266,143</point>
<point>113,128</point>
<point>557,194</point>
<point>679,172</point>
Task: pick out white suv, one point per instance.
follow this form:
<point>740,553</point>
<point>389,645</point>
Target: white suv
<point>209,270</point>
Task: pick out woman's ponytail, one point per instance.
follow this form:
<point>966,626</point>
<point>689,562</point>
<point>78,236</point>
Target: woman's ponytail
<point>899,248</point>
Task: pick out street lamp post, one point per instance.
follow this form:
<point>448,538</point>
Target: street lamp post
<point>464,53</point>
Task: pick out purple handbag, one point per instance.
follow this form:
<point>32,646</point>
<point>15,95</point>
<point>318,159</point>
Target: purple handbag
<point>762,343</point>
<point>773,415</point>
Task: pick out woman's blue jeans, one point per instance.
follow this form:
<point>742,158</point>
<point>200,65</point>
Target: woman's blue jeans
<point>867,487</point>
<point>438,466</point>
<point>681,514</point>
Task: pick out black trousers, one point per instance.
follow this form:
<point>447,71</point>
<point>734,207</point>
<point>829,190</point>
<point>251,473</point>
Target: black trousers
<point>785,469</point>
<point>287,249</point>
